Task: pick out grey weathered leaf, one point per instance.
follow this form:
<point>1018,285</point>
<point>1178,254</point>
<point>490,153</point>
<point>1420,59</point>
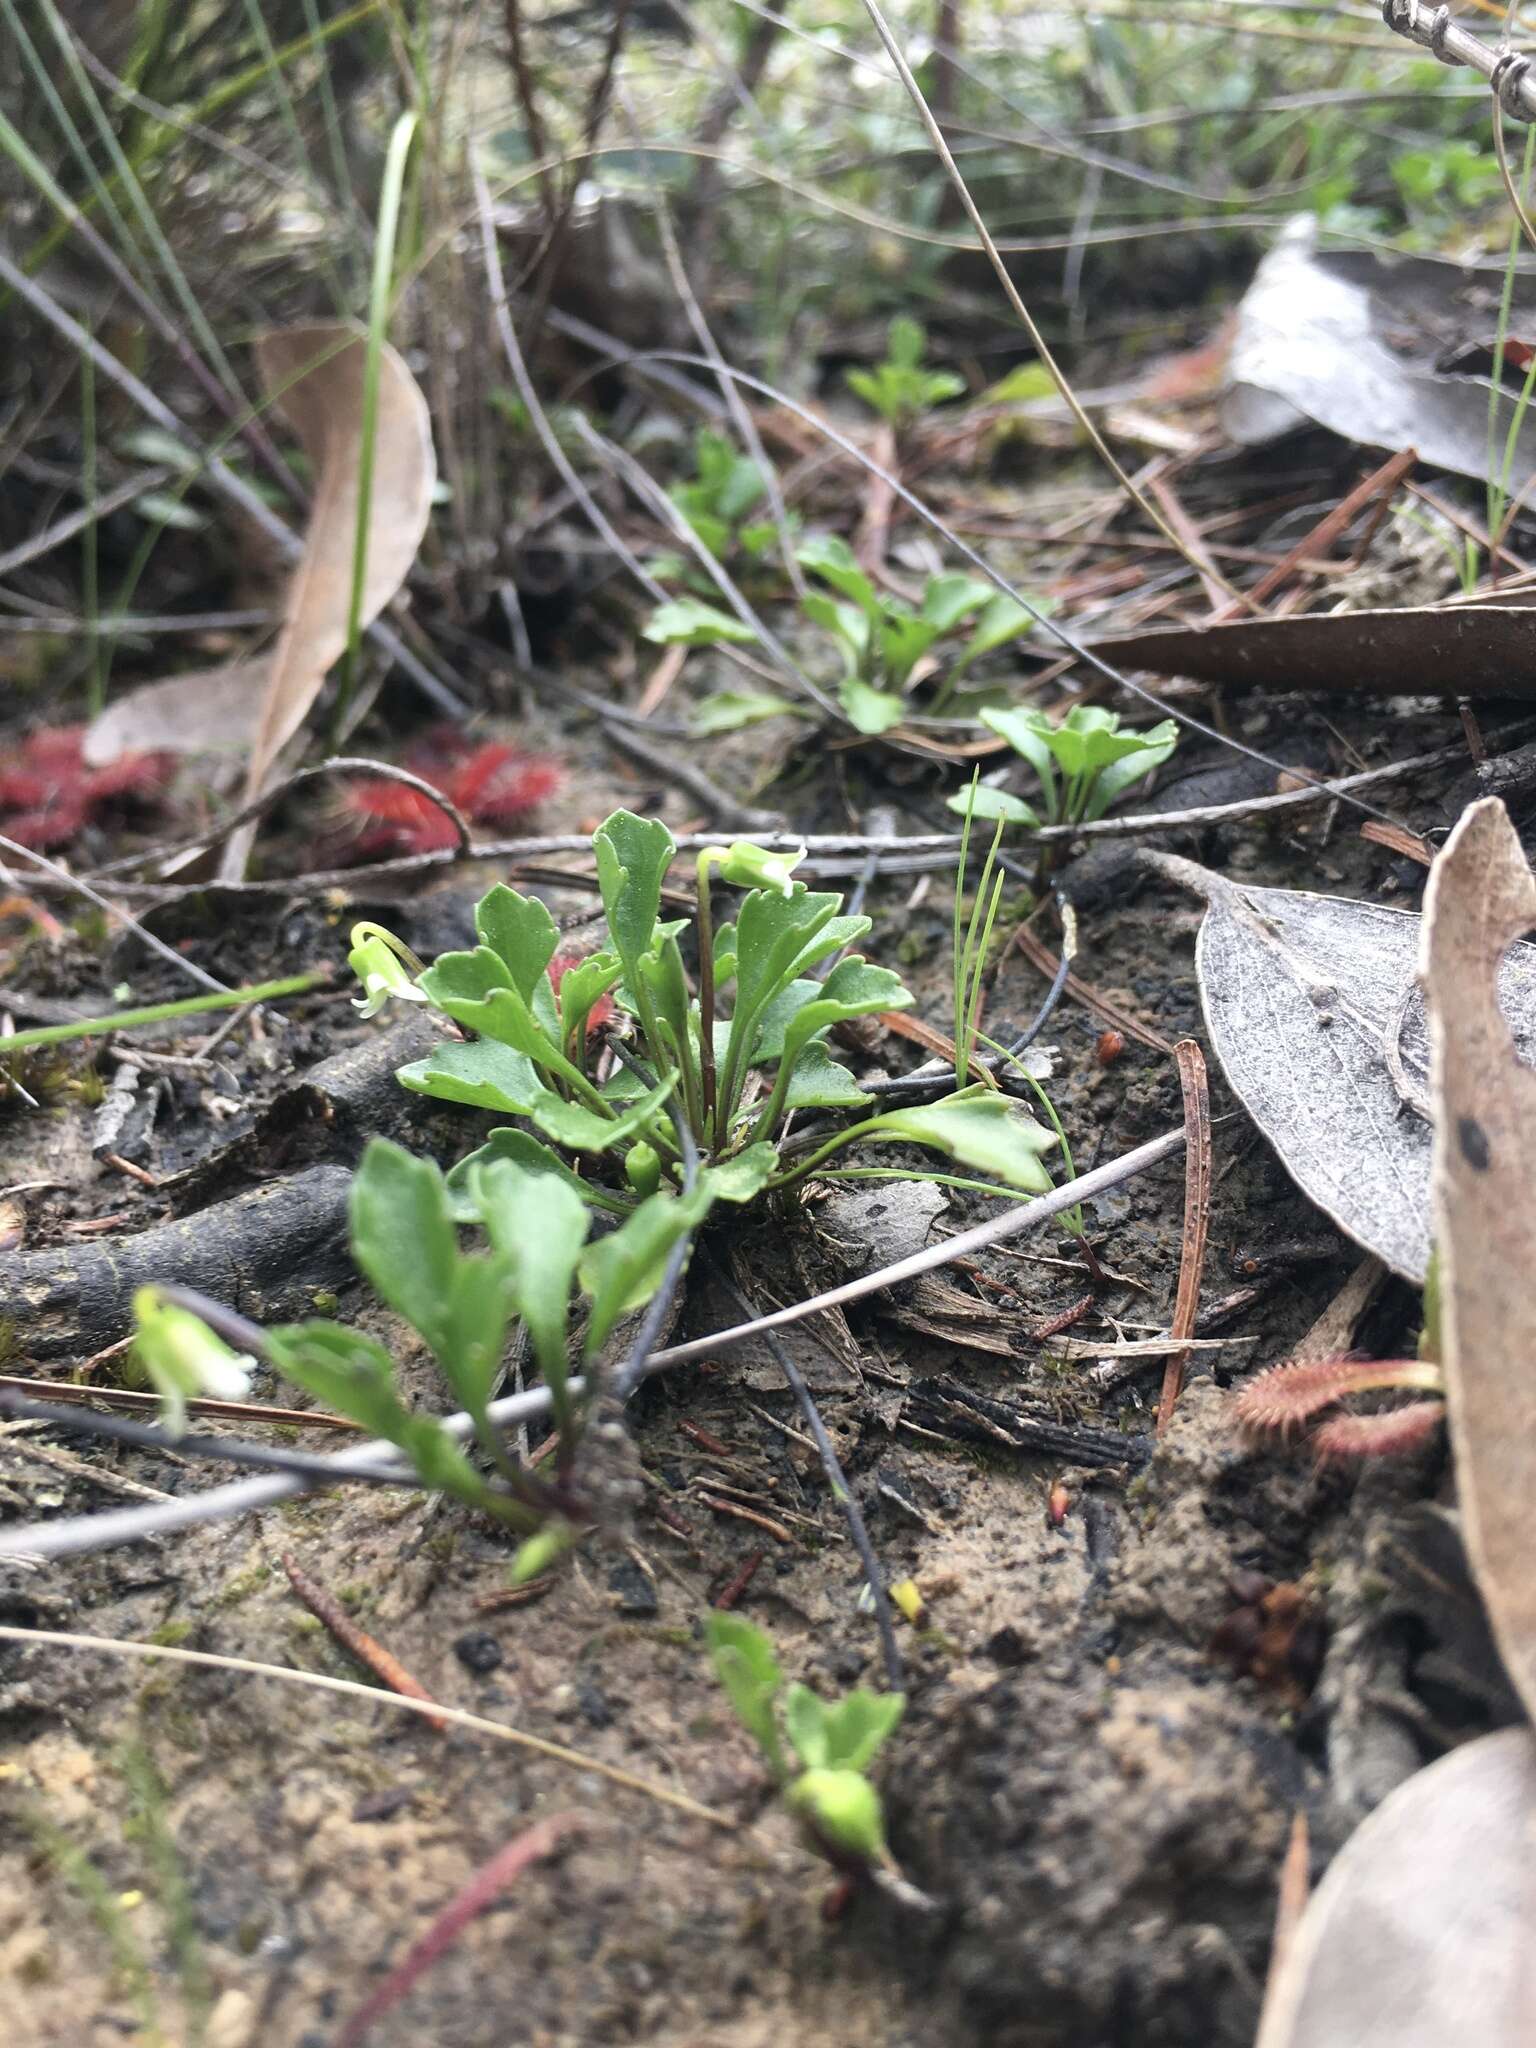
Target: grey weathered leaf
<point>1314,1012</point>
<point>1361,345</point>
<point>1420,1934</point>
<point>205,710</point>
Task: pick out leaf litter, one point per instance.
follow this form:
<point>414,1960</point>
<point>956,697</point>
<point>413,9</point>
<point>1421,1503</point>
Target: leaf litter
<point>1314,1011</point>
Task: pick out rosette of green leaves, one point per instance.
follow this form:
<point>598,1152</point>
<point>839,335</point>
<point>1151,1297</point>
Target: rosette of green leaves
<point>902,388</point>
<point>1083,764</point>
<point>528,1057</point>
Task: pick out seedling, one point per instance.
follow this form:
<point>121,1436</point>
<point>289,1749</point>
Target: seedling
<point>725,488</point>
<point>719,1085</point>
<point>880,638</point>
<point>819,1755</point>
<point>900,389</point>
<point>1083,764</point>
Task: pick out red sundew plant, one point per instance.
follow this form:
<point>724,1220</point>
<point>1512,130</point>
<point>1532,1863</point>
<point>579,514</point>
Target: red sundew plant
<point>48,795</point>
<point>491,782</point>
<point>1288,1398</point>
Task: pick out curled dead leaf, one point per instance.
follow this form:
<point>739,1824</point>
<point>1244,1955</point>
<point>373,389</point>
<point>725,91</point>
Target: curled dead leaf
<point>1419,1935</point>
<point>204,711</point>
<point>1481,897</point>
<point>315,374</point>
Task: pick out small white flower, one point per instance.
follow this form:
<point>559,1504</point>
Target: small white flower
<point>753,867</point>
<point>375,960</point>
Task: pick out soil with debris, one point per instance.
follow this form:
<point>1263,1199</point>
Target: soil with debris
<point>1113,1721</point>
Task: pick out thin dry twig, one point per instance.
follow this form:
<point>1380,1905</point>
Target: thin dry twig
<point>384,1665</point>
<point>482,1889</point>
<point>352,1688</point>
<point>1197,1216</point>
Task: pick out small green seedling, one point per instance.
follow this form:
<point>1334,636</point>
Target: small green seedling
<point>900,389</point>
<point>819,1755</point>
<point>732,1079</point>
<point>880,638</point>
<point>726,487</point>
<point>1083,764</point>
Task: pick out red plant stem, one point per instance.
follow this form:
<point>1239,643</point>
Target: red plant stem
<point>1197,1216</point>
<point>730,1507</point>
<point>385,1667</point>
<point>482,1890</point>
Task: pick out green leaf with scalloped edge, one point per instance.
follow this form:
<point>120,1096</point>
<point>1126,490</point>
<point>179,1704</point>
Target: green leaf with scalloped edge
<point>520,932</point>
<point>633,855</point>
<point>482,1074</point>
<point>580,1129</point>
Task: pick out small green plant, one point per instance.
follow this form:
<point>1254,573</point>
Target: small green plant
<point>725,488</point>
<point>1083,764</point>
<point>819,1755</point>
<point>535,1262</point>
<point>694,1117</point>
<point>731,1079</point>
<point>900,389</point>
<point>880,638</point>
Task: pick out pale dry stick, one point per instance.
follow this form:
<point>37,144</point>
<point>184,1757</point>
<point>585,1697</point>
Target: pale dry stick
<point>1197,1217</point>
<point>338,764</point>
<point>217,470</point>
<point>1026,319</point>
<point>72,1537</point>
<point>352,1688</point>
<point>65,529</point>
<point>827,850</point>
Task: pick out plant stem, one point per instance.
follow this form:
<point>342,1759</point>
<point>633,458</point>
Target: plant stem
<point>708,1134</point>
<point>161,1013</point>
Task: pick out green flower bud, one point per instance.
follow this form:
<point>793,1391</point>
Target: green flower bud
<point>378,959</point>
<point>642,1168</point>
<point>539,1551</point>
<point>752,867</point>
<point>184,1358</point>
<point>842,1809</point>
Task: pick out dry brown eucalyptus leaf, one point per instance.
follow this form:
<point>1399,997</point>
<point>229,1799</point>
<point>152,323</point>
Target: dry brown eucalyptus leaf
<point>315,374</point>
<point>1468,650</point>
<point>205,711</point>
<point>1420,1934</point>
<point>1314,1012</point>
<point>1481,897</point>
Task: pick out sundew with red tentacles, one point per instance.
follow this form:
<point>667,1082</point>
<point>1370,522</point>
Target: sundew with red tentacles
<point>491,782</point>
<point>48,795</point>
